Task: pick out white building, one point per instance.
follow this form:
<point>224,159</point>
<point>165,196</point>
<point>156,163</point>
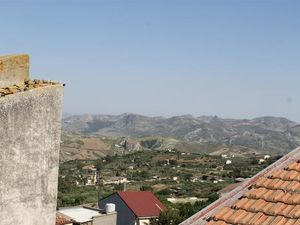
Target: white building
<point>89,216</point>
<point>115,180</point>
<point>228,162</point>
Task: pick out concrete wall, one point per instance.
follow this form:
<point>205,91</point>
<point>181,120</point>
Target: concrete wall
<point>125,216</point>
<point>144,222</point>
<point>30,124</point>
<point>105,219</point>
<point>14,69</point>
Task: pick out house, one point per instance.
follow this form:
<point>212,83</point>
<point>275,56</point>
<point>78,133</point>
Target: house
<point>134,208</point>
<point>90,168</point>
<point>272,197</point>
<point>114,180</point>
<point>228,162</point>
<point>224,156</point>
<point>86,216</point>
<point>91,180</point>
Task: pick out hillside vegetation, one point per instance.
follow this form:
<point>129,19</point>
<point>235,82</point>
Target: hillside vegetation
<point>91,136</point>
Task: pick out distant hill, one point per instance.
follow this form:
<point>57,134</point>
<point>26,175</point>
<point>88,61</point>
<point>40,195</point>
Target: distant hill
<point>267,134</point>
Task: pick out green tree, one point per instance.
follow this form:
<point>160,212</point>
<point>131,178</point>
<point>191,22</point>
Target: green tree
<point>173,162</point>
<point>99,165</point>
<point>187,176</point>
<point>146,188</point>
<point>169,217</point>
<point>66,184</point>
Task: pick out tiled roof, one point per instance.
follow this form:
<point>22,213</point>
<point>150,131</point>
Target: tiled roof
<point>62,219</point>
<point>270,198</point>
<point>142,203</point>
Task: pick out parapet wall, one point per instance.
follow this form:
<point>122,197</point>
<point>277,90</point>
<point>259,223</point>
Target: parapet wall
<point>30,129</point>
<point>14,69</point>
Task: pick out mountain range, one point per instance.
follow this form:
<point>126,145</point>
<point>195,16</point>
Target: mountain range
<point>265,134</point>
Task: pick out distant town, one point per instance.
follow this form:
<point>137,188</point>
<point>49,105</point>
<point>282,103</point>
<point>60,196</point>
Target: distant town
<point>183,182</point>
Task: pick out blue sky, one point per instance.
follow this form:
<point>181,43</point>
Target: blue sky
<point>233,58</point>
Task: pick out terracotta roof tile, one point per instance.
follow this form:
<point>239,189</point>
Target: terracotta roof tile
<point>237,216</point>
<point>269,220</point>
<point>278,208</point>
<point>297,222</point>
<point>249,204</point>
<point>278,184</point>
<point>285,212</point>
<point>295,213</point>
<point>258,218</point>
<point>277,174</point>
<point>239,204</point>
<point>224,214</point>
<point>294,166</point>
<point>279,220</point>
<point>254,206</point>
<point>291,175</point>
<point>287,175</point>
<point>272,183</point>
<point>217,223</point>
<point>284,185</point>
<point>286,197</point>
<point>260,181</point>
<point>290,222</point>
<point>261,192</point>
<point>294,186</point>
<point>62,219</point>
<point>293,199</point>
<point>276,196</point>
<point>247,218</point>
<point>270,198</point>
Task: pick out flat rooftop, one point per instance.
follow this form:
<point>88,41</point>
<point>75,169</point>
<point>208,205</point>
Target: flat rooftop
<point>80,214</point>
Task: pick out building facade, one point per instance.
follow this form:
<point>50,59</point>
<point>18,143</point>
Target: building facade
<point>88,216</point>
<point>134,207</point>
<point>30,130</point>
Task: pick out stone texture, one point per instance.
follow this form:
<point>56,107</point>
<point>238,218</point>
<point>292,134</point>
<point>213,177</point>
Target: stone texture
<point>26,86</point>
<point>30,124</point>
<point>30,129</point>
<point>14,69</point>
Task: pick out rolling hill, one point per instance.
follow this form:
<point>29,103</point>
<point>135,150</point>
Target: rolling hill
<point>265,134</point>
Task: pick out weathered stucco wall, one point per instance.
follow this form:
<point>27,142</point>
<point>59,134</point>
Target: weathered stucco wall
<point>14,69</point>
<point>30,124</point>
<point>105,219</point>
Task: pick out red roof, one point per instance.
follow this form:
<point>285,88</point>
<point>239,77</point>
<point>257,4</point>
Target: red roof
<point>142,203</point>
